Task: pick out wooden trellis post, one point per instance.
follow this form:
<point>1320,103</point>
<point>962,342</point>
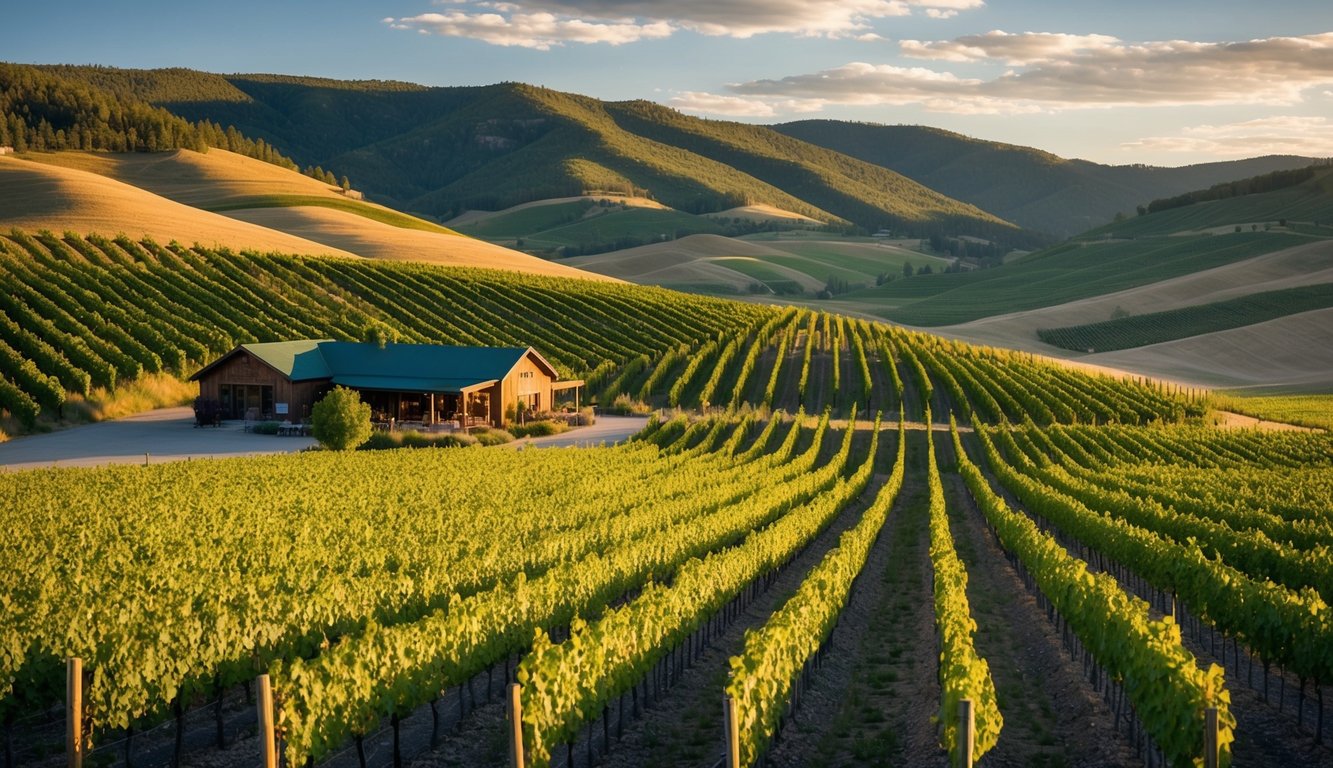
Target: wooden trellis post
<point>730,716</point>
<point>267,744</point>
<point>514,714</point>
<point>967,732</point>
<point>1210,746</point>
<point>74,711</point>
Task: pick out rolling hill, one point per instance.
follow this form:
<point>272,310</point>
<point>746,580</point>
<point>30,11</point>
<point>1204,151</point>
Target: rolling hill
<point>1029,187</point>
<point>774,265</point>
<point>442,151</point>
<point>225,199</point>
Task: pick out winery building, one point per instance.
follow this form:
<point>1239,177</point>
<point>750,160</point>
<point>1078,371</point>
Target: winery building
<point>425,384</point>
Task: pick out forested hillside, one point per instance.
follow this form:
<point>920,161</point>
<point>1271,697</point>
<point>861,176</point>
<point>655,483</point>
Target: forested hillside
<point>441,151</point>
<point>1029,187</point>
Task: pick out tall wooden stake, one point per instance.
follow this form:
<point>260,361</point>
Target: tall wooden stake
<point>267,746</point>
<point>74,711</point>
<point>967,733</point>
<point>1210,756</point>
<point>730,717</point>
<point>514,705</point>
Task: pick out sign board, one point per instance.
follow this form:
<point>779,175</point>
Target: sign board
<point>280,409</point>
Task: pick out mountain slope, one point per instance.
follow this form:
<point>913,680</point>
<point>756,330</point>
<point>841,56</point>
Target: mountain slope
<point>445,150</point>
<point>1029,187</point>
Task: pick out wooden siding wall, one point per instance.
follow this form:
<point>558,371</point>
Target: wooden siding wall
<point>245,368</point>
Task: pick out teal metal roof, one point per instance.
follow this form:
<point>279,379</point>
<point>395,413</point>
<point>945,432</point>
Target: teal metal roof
<point>401,367</point>
<point>298,360</point>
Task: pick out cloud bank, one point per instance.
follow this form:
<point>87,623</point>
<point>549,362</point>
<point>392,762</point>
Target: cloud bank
<point>544,24</point>
<point>1277,135</point>
<point>1054,72</point>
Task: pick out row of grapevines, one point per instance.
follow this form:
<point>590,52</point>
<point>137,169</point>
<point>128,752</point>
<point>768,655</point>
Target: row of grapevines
<point>963,673</point>
<point>348,688</point>
<point>563,683</point>
<point>1160,677</point>
<point>229,573</point>
<point>1248,549</point>
<point>1293,628</point>
<point>763,674</point>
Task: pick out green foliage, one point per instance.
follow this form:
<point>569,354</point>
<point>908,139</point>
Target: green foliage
<point>340,421</point>
<point>1155,327</point>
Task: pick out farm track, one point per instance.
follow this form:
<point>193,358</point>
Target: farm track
<point>1052,716</point>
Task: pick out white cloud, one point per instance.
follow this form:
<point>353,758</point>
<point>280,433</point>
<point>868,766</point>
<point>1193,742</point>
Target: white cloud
<point>1013,49</point>
<point>531,30</point>
<point>542,24</point>
<point>1277,135</point>
<point>1051,72</point>
<point>716,104</point>
<point>736,106</point>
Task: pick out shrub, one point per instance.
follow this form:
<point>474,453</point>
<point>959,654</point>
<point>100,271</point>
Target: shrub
<point>340,421</point>
<point>266,428</point>
<point>383,441</point>
<point>538,428</point>
<point>625,405</point>
<point>493,437</point>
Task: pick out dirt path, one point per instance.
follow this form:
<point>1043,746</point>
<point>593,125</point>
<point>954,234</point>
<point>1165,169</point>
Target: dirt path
<point>1052,716</point>
<point>871,702</point>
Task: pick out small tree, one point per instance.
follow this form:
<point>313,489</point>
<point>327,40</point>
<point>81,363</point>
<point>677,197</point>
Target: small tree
<point>340,421</point>
<point>346,183</point>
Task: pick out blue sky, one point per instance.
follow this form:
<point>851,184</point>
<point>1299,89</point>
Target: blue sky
<point>1162,82</point>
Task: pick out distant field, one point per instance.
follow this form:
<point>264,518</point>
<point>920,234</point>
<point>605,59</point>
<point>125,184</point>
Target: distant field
<point>1155,327</point>
<point>1305,410</point>
<point>1061,274</point>
<point>373,212</point>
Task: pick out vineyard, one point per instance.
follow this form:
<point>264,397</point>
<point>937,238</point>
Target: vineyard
<point>702,594</point>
